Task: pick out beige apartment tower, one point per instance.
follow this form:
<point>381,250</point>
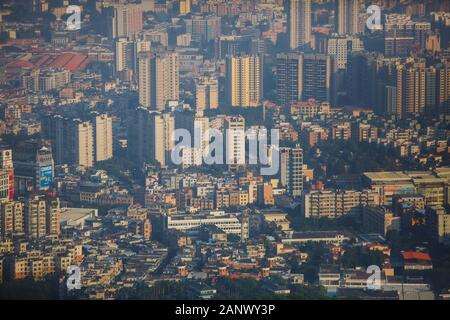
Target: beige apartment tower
<point>11,218</point>
<point>84,143</point>
<point>244,81</point>
<point>410,90</point>
<point>35,218</point>
<point>299,23</point>
<point>158,79</point>
<point>126,20</point>
<point>52,217</point>
<point>122,56</point>
<point>443,87</point>
<point>163,129</point>
<point>206,94</point>
<point>346,16</point>
<point>185,7</point>
<point>41,217</point>
<point>103,137</point>
<point>144,79</point>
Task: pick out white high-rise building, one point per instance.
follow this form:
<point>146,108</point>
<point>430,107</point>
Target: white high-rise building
<point>127,51</point>
<point>191,157</point>
<point>235,140</point>
<point>122,55</point>
<point>83,143</point>
<point>201,138</point>
<point>299,23</point>
<point>144,71</point>
<point>103,137</point>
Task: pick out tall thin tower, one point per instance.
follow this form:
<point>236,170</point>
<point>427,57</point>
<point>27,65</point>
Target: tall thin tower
<point>299,23</point>
<point>347,16</point>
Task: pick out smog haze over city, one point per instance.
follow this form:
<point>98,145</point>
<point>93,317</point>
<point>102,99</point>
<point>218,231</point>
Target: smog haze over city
<point>214,150</point>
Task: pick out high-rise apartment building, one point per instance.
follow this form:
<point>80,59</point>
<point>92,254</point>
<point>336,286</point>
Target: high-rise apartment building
<point>144,81</point>
<point>158,79</point>
<point>379,220</point>
<point>185,7</point>
<point>198,127</point>
<point>265,195</point>
<point>234,140</point>
<point>35,218</point>
<point>410,90</point>
<point>244,81</point>
<point>443,87</point>
<point>398,35</point>
<point>151,136</point>
<point>333,204</point>
<point>83,143</point>
<point>6,175</point>
<point>402,34</point>
<point>235,45</point>
<point>291,170</point>
<point>162,127</point>
<point>340,47</point>
<point>78,142</point>
<point>299,23</point>
<point>45,80</point>
<point>289,78</point>
<point>41,217</point>
<point>204,28</point>
<point>304,77</point>
<point>124,20</point>
<point>206,94</point>
<point>30,80</point>
<point>103,138</point>
<point>346,16</point>
<point>52,216</point>
<point>11,218</point>
<point>317,74</point>
<point>123,57</point>
<point>127,51</point>
<point>416,89</point>
<point>438,223</point>
<point>361,79</point>
<point>367,133</point>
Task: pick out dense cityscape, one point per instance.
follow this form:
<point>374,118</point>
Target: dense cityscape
<point>214,150</point>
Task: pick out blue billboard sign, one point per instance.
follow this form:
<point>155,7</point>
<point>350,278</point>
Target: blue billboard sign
<point>45,176</point>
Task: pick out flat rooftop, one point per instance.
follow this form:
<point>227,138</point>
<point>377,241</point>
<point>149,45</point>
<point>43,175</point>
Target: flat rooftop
<point>319,234</point>
<point>75,214</point>
<point>429,179</point>
<point>389,176</point>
